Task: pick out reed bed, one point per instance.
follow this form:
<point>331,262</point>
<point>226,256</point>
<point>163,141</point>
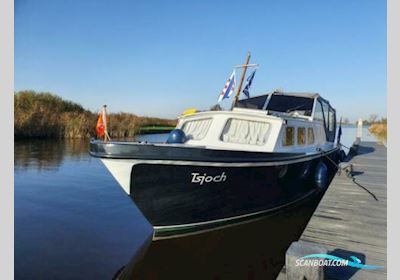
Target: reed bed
<point>46,115</point>
<point>379,130</point>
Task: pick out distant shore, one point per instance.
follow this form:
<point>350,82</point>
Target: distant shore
<point>46,115</point>
<point>155,129</point>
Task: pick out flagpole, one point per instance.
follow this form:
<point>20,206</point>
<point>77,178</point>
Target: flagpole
<point>245,65</point>
<point>340,131</point>
<point>106,136</point>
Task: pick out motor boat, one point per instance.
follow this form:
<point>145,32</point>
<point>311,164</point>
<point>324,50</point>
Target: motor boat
<point>221,168</point>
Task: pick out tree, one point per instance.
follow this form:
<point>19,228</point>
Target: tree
<point>373,118</point>
<point>216,107</point>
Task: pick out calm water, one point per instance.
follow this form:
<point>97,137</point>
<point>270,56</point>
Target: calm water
<point>73,221</point>
<point>349,134</point>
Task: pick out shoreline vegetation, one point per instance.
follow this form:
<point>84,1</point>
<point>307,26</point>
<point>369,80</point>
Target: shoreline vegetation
<point>379,130</point>
<point>46,115</point>
<point>377,127</point>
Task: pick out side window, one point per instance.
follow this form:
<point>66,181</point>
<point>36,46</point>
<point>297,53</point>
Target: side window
<point>245,132</point>
<point>288,139</point>
<point>318,115</point>
<point>301,136</point>
<point>331,120</point>
<point>322,135</point>
<point>310,135</point>
<point>326,110</point>
<point>196,129</point>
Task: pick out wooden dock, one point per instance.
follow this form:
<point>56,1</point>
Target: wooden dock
<point>349,221</point>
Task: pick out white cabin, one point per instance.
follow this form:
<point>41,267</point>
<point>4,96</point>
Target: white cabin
<point>274,122</point>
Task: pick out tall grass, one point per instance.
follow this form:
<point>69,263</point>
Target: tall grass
<point>379,129</point>
<point>45,115</point>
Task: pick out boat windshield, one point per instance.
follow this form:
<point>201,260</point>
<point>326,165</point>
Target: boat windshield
<point>288,104</point>
<point>256,102</point>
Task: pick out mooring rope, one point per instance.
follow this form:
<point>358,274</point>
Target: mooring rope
<point>350,175</point>
<point>340,144</point>
<point>334,163</point>
<point>364,188</point>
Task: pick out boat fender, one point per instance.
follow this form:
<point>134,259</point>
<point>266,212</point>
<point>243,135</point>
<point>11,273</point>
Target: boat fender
<point>283,171</point>
<point>176,136</point>
<point>321,176</point>
<point>305,172</point>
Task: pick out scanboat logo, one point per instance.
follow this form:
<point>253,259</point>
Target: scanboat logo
<point>330,260</point>
<point>201,179</point>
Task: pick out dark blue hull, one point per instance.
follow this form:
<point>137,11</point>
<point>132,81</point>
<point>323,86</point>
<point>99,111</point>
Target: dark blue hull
<point>184,190</point>
<point>183,199</point>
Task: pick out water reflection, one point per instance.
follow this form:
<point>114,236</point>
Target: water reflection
<point>254,250</point>
<point>71,218</point>
<point>47,155</point>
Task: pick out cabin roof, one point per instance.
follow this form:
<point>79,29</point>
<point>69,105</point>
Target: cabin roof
<point>302,94</point>
<point>293,93</point>
<point>313,95</point>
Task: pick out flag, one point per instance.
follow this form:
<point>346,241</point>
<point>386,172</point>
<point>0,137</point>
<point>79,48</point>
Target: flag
<point>229,88</point>
<point>100,127</point>
<point>248,84</point>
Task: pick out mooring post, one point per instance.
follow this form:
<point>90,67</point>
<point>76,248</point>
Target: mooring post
<point>354,147</point>
<point>296,268</point>
<point>359,129</point>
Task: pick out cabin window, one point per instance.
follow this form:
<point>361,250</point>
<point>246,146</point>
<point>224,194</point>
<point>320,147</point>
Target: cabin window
<point>326,114</point>
<point>318,114</point>
<point>196,129</point>
<point>322,135</point>
<point>301,136</point>
<point>240,131</point>
<point>288,140</point>
<point>331,120</point>
<point>287,104</point>
<point>256,102</point>
<point>310,135</point>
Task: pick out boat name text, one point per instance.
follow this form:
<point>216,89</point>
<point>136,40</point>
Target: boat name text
<point>201,179</point>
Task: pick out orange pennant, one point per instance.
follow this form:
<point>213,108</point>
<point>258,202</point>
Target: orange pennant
<point>100,127</point>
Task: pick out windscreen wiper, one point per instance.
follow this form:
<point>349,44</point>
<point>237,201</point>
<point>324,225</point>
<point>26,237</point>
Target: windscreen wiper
<point>294,108</point>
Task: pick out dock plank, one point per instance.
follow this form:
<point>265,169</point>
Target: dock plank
<point>349,221</point>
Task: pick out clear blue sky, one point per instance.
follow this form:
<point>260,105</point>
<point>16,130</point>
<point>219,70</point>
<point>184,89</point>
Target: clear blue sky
<point>158,58</point>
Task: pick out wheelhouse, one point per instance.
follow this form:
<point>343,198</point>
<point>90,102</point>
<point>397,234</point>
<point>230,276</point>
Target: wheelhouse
<point>280,122</point>
<point>309,106</point>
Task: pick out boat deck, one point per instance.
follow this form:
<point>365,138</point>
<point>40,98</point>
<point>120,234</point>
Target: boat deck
<point>349,221</point>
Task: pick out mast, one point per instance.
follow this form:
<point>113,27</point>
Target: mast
<point>244,66</point>
<point>106,136</point>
